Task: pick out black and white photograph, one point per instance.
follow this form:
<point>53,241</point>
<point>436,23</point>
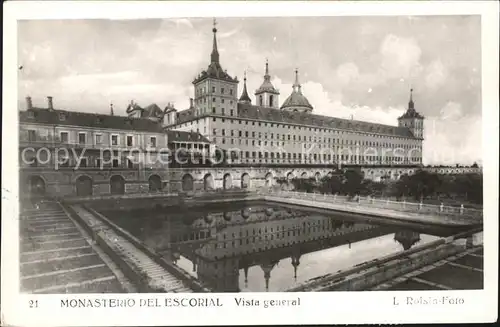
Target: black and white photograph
<point>234,154</point>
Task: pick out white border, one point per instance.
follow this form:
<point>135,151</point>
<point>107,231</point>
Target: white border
<point>316,308</point>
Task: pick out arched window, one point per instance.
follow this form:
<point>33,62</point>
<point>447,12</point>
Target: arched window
<point>271,98</point>
<point>261,102</point>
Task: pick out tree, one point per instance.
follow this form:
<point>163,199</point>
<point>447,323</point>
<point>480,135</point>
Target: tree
<point>331,184</point>
<point>353,182</point>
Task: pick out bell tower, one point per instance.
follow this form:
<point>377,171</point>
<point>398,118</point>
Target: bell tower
<point>215,90</point>
<point>412,120</point>
<point>266,95</point>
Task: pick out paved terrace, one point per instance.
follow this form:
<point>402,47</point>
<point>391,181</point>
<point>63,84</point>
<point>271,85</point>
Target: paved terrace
<point>430,214</point>
<point>56,255</point>
<point>457,272</point>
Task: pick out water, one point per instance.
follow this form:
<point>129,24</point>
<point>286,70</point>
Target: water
<point>262,247</point>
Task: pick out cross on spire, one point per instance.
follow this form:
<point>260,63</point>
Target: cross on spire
<point>215,53</point>
<point>411,104</point>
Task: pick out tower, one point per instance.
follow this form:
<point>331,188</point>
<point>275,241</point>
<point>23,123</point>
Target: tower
<point>244,95</point>
<point>215,90</point>
<point>266,95</point>
<point>412,120</point>
<point>297,102</point>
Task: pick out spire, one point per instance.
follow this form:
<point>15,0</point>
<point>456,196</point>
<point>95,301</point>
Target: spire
<point>266,76</point>
<point>215,54</point>
<point>111,109</point>
<point>244,95</point>
<point>296,86</point>
<point>411,105</point>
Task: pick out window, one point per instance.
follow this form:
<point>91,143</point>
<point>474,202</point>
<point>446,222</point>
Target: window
<point>114,139</point>
<point>213,89</point>
<point>223,111</point>
<point>130,140</point>
<point>82,138</point>
<point>98,139</point>
<point>231,91</point>
<point>271,101</point>
<point>64,137</point>
<point>261,101</point>
<point>214,131</point>
<point>98,162</point>
<point>83,162</point>
<point>214,100</point>
<point>130,164</point>
<point>213,110</point>
<point>222,90</point>
<point>232,114</point>
<point>116,163</point>
<point>152,141</point>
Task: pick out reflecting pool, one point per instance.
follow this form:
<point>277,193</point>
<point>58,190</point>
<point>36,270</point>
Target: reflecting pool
<point>258,247</point>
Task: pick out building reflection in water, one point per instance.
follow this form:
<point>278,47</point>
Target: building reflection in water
<point>265,248</point>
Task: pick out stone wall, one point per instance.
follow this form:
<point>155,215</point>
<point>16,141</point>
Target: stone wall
<point>63,182</point>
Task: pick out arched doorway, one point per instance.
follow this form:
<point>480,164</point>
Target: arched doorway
<point>187,183</point>
<point>269,179</point>
<point>83,186</point>
<point>117,184</point>
<point>36,185</point>
<point>208,182</point>
<point>245,180</point>
<point>228,181</point>
<point>154,183</point>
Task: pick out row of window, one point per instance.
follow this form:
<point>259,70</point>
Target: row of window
<point>317,156</point>
<point>114,139</point>
<point>287,126</point>
<point>214,100</point>
<point>314,139</point>
<point>203,90</point>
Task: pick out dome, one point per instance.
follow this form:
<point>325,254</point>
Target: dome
<point>267,86</point>
<point>297,101</point>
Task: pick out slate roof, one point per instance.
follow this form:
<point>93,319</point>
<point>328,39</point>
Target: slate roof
<point>73,118</point>
<point>411,113</point>
<point>244,95</point>
<point>283,116</point>
<point>297,100</point>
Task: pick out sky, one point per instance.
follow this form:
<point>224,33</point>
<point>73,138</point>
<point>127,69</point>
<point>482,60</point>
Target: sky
<point>360,67</point>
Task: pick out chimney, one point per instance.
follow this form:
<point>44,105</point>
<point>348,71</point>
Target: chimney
<point>49,103</point>
<point>29,103</point>
<point>191,104</point>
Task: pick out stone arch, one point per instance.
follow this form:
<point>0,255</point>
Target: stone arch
<point>245,180</point>
<point>155,184</point>
<point>84,185</point>
<point>187,183</point>
<point>317,176</point>
<point>289,176</point>
<point>36,185</point>
<point>303,175</point>
<point>117,184</point>
<point>269,179</point>
<point>329,174</point>
<point>208,182</point>
<point>227,181</point>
